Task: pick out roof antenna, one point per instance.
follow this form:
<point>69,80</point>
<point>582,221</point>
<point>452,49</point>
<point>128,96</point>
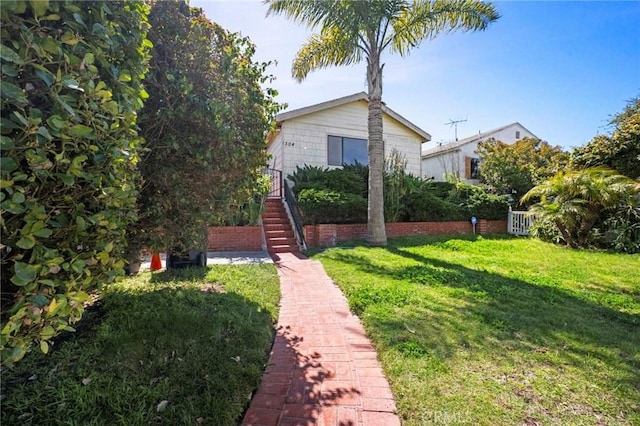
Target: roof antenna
<point>454,123</point>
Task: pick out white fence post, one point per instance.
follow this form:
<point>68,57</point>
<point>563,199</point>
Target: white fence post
<point>519,222</point>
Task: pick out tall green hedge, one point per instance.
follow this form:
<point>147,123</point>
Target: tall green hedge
<point>71,86</point>
<point>336,196</point>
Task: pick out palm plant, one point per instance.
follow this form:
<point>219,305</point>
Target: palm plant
<point>574,201</point>
<point>351,31</point>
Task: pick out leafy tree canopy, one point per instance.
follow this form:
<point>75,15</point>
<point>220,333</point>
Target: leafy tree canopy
<point>520,166</point>
<point>205,125</point>
<point>620,150</point>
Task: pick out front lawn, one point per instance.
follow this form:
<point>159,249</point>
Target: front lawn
<point>499,331</point>
<point>165,348</point>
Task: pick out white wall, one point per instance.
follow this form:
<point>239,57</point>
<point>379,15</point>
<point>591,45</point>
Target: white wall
<point>438,167</point>
<point>453,162</point>
<point>508,135</point>
<point>303,140</point>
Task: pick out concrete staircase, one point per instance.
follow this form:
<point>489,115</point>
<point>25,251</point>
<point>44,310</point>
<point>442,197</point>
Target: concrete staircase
<point>277,228</point>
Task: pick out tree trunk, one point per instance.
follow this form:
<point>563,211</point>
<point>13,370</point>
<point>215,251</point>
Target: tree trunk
<point>376,234</point>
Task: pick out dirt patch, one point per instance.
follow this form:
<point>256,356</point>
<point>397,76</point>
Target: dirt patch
<point>212,288</point>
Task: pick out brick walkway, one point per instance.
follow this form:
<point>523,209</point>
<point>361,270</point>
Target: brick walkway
<point>323,369</point>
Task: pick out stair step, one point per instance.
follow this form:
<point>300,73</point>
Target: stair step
<point>275,233</point>
<point>274,215</point>
<point>280,240</point>
<point>283,249</point>
<point>277,228</point>
<point>274,221</point>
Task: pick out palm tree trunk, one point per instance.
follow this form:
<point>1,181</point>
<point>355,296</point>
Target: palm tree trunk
<point>376,234</point>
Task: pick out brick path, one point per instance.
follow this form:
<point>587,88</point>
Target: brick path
<point>323,369</point>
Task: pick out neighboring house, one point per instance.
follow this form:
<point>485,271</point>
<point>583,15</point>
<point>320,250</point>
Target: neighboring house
<point>460,158</point>
<point>333,133</point>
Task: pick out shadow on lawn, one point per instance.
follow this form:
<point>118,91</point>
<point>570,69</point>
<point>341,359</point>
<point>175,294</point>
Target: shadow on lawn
<point>200,348</point>
<point>492,310</point>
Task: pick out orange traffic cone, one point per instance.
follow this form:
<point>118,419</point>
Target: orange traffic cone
<point>156,262</point>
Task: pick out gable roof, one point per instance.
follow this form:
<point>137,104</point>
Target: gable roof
<point>362,96</point>
<point>475,138</point>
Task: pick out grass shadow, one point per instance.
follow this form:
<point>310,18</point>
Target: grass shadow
<point>172,337</point>
<point>483,309</point>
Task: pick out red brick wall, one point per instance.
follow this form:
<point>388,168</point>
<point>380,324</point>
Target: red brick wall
<point>496,227</point>
<point>327,235</point>
<point>235,238</point>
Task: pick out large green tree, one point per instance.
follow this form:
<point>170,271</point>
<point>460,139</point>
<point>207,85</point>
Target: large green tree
<point>518,167</point>
<point>204,123</point>
<point>620,150</point>
<point>352,31</point>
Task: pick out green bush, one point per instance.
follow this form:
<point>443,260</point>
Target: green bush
<point>340,195</point>
<point>475,201</point>
<point>326,206</point>
<point>425,206</point>
<point>307,177</point>
<point>346,181</point>
<point>623,229</point>
<point>71,86</point>
<point>351,179</point>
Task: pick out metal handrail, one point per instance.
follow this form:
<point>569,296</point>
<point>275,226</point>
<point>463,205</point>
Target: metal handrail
<point>296,215</point>
<point>276,183</point>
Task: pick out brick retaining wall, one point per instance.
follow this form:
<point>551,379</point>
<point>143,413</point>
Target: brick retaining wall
<point>328,235</point>
<point>235,238</point>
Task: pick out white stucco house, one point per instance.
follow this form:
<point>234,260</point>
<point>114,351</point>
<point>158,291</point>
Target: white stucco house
<point>333,133</point>
<point>460,159</point>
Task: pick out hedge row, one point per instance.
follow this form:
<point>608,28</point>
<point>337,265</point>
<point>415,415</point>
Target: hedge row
<point>339,196</point>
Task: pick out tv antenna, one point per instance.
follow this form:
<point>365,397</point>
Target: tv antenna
<point>454,123</point>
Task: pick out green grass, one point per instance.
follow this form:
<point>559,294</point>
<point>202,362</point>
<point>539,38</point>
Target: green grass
<point>499,331</point>
<point>198,339</point>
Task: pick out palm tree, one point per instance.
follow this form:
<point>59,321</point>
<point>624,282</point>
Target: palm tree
<point>574,201</point>
<point>351,31</point>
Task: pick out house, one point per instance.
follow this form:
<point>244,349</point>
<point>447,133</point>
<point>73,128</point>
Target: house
<point>460,159</point>
<point>333,133</point>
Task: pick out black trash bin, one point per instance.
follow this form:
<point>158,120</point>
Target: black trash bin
<point>177,258</point>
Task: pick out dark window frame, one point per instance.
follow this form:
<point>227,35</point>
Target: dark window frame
<point>474,173</point>
<point>336,148</point>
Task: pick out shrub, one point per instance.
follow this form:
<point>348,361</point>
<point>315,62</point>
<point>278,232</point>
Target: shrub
<point>580,202</point>
<point>325,206</point>
<point>346,181</point>
<point>327,195</point>
<point>623,229</point>
<point>396,185</point>
<point>425,206</point>
<point>71,86</point>
<point>475,201</point>
<point>307,177</point>
<point>351,179</point>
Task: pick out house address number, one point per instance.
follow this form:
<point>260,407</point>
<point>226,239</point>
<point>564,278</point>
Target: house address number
<point>289,143</point>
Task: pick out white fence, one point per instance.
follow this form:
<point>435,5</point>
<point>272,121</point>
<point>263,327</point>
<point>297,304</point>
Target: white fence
<point>518,223</point>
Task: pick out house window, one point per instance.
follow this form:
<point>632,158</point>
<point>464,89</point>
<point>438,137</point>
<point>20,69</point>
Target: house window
<point>342,150</point>
<point>517,134</point>
<point>472,168</point>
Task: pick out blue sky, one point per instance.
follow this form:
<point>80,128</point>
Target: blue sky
<point>561,69</point>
